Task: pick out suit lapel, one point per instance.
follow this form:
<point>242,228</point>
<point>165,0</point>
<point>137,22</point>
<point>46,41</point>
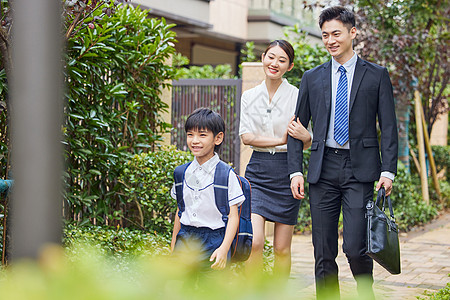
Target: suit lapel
<point>360,69</point>
<point>326,81</point>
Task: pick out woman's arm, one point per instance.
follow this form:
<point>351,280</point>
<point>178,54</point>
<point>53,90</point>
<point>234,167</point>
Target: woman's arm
<point>263,141</point>
<point>298,131</point>
<point>221,253</point>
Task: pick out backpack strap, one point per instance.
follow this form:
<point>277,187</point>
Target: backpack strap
<point>221,189</point>
<point>178,176</point>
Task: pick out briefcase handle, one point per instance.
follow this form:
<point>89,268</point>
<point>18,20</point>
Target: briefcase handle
<point>381,197</point>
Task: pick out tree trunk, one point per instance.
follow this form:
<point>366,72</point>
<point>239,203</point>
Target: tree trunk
<point>403,112</point>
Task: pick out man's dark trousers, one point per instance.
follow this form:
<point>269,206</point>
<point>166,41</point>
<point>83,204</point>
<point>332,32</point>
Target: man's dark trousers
<point>336,188</point>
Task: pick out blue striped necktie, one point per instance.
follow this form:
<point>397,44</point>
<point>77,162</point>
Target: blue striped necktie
<point>341,111</point>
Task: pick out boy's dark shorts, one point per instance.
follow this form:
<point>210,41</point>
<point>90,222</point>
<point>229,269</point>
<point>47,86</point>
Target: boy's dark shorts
<point>201,241</point>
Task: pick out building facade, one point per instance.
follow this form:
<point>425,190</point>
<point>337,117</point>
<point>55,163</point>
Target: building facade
<point>214,31</point>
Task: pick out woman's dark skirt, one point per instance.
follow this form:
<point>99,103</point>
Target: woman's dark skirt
<point>271,192</point>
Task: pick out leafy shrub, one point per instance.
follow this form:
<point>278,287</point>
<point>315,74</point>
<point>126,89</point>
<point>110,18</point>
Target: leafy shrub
<point>147,180</point>
<point>445,193</point>
<point>442,294</point>
<point>115,72</point>
<point>442,159</point>
<point>117,241</point>
<point>206,72</point>
<point>409,207</point>
<point>443,201</point>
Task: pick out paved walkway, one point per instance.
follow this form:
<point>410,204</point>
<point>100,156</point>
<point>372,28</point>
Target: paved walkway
<point>425,259</point>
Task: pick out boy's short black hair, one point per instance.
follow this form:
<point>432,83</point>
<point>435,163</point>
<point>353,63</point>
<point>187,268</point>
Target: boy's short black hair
<point>204,118</point>
<point>339,13</point>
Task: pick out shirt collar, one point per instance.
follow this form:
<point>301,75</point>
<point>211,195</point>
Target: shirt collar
<point>264,87</point>
<point>209,165</point>
<point>348,65</point>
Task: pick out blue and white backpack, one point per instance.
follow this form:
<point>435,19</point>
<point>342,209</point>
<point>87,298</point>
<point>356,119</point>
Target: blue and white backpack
<point>242,243</point>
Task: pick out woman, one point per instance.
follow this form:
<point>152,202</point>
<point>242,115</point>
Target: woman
<point>265,123</point>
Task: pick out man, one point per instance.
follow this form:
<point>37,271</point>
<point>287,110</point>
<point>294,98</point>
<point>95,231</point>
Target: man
<point>343,98</point>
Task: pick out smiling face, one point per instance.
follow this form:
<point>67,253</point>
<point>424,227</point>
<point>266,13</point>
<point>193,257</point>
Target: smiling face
<point>275,63</point>
<point>338,39</point>
<point>201,142</point>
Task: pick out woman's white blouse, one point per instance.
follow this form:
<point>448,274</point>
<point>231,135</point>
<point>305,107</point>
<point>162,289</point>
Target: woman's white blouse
<point>260,117</point>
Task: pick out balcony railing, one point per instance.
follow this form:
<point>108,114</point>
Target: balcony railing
<point>292,9</point>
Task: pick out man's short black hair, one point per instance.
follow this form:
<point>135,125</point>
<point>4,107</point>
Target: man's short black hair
<point>339,13</point>
<point>204,118</point>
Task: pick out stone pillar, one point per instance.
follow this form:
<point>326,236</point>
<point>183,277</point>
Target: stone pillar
<point>166,97</point>
<point>252,75</point>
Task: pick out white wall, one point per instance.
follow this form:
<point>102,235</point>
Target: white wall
<point>192,9</point>
<point>229,17</point>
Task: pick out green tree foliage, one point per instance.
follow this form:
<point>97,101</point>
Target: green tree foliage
<point>114,76</point>
<point>411,39</point>
<point>307,56</point>
<point>76,15</point>
<point>248,52</point>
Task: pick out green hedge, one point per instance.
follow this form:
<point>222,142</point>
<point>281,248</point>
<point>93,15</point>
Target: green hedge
<point>147,179</point>
<point>409,207</point>
<point>121,242</point>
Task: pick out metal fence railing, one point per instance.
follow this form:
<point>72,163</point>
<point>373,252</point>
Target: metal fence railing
<point>220,95</point>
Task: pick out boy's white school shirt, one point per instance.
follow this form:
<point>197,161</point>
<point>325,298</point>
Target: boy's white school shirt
<point>198,194</point>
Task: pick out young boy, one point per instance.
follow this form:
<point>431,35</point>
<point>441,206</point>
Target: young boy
<point>201,222</point>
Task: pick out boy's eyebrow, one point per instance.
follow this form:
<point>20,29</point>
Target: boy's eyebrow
<point>198,130</point>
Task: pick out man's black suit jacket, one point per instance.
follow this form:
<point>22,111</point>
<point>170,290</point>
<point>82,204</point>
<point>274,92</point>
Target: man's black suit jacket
<point>371,98</point>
